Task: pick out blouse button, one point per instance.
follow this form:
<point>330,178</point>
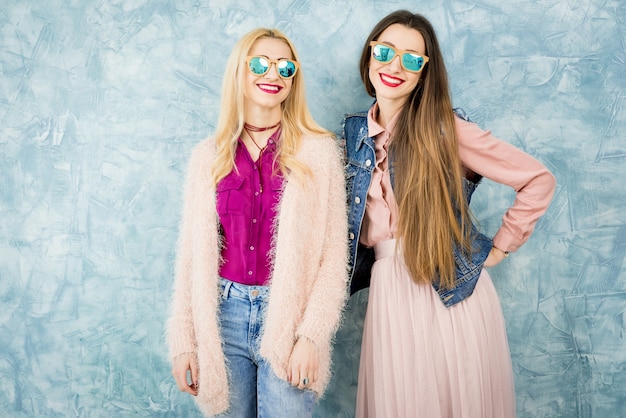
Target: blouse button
<point>252,248</point>
<point>357,200</point>
<point>351,235</point>
<point>249,273</point>
<point>368,163</point>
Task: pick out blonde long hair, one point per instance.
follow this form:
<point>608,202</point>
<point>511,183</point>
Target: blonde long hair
<point>427,167</point>
<point>296,118</point>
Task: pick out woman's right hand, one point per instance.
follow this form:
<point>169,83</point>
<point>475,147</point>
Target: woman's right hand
<point>184,363</point>
<point>495,256</point>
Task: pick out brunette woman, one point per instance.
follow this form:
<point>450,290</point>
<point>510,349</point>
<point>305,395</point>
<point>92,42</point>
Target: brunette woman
<point>434,342</point>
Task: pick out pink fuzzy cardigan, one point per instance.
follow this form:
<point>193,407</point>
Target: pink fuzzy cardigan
<point>308,287</point>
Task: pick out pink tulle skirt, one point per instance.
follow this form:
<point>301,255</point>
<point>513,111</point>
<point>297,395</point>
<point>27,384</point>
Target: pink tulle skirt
<point>421,359</point>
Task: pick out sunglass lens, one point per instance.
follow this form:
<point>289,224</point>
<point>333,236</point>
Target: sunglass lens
<point>286,69</point>
<point>259,65</point>
<point>383,53</point>
<point>412,62</point>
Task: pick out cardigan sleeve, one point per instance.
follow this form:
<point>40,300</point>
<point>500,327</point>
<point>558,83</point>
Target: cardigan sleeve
<point>180,327</point>
<point>503,163</point>
<point>329,291</point>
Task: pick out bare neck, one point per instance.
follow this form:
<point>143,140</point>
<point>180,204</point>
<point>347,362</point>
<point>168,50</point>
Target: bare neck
<point>387,109</point>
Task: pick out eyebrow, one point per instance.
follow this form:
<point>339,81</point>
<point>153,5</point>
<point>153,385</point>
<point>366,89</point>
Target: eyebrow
<point>277,59</point>
<point>391,44</point>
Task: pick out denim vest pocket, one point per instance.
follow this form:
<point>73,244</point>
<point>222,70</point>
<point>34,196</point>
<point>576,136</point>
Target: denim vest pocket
<point>468,267</point>
<point>468,270</point>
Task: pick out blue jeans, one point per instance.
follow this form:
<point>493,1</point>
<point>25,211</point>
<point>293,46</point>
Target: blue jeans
<point>255,390</point>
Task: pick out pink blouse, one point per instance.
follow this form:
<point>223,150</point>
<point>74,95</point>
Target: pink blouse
<point>381,209</point>
<point>482,153</point>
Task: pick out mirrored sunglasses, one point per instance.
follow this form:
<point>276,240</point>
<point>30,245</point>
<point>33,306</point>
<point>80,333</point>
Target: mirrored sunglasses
<point>261,65</point>
<point>410,61</point>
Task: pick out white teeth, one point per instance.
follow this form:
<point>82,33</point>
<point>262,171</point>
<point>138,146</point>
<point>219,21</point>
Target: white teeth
<point>390,80</point>
<point>266,87</point>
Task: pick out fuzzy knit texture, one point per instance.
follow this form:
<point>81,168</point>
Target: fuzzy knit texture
<point>308,285</point>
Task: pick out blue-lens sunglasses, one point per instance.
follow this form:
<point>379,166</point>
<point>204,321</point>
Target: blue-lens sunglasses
<point>410,61</point>
<point>261,65</point>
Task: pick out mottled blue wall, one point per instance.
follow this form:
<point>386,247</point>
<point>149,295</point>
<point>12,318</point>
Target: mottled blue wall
<point>102,101</point>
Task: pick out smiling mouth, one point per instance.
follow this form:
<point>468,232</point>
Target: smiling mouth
<point>390,81</point>
<point>269,88</point>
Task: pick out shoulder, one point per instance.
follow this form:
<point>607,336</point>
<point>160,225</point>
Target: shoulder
<point>201,160</point>
<point>315,144</point>
<point>354,119</point>
<point>356,116</point>
<point>320,150</point>
<point>468,131</point>
<point>461,114</point>
<point>203,152</point>
<point>204,147</point>
<point>463,123</point>
<point>318,145</point>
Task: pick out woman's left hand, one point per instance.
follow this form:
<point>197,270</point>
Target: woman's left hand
<point>303,364</point>
<point>495,256</point>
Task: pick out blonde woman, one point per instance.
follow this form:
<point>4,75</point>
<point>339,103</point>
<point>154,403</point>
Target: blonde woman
<point>261,272</point>
<point>434,341</point>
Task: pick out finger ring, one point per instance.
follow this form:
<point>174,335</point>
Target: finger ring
<point>305,381</point>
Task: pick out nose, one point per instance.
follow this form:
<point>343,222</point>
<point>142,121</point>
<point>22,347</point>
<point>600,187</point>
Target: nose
<point>395,63</point>
<point>272,72</point>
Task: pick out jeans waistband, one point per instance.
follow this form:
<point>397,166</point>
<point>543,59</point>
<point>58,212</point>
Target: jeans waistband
<point>229,288</point>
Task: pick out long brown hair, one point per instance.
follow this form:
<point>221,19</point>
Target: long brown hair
<point>296,117</point>
<point>428,182</point>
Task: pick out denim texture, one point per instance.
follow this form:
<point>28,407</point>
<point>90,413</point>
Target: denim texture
<point>360,160</point>
<point>255,390</point>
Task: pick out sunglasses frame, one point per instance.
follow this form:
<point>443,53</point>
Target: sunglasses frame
<point>399,53</point>
<point>295,63</point>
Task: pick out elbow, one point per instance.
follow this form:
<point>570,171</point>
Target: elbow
<point>550,182</point>
<point>545,192</point>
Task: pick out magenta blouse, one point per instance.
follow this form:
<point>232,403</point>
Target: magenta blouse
<point>247,203</point>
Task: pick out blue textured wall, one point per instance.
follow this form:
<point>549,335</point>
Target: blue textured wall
<point>102,101</point>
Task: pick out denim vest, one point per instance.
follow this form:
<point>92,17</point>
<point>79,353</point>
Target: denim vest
<point>361,159</point>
